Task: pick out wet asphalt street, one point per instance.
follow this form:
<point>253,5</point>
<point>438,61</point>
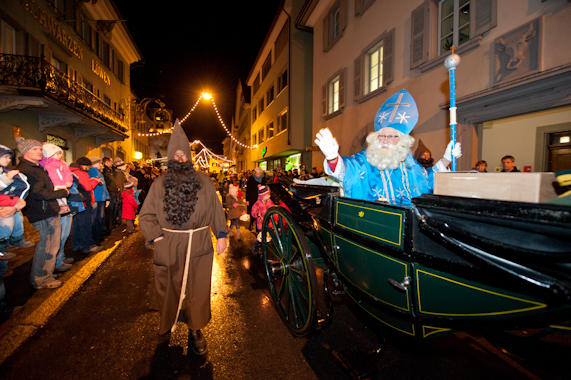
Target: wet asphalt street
<point>107,330</point>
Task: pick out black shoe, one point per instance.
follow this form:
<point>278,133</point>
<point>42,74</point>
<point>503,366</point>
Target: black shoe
<point>69,260</point>
<point>198,342</point>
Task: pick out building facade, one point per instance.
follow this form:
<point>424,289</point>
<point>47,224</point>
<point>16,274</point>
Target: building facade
<point>513,83</point>
<point>280,100</point>
<point>241,122</point>
<point>64,76</point>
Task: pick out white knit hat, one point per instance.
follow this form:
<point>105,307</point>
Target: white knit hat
<point>50,149</point>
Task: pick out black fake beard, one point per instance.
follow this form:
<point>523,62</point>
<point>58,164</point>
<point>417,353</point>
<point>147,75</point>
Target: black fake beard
<point>181,191</point>
<point>426,163</point>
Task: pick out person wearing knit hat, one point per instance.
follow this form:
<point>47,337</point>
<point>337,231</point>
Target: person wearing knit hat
<point>82,229</point>
<point>563,188</point>
<point>180,210</point>
<point>24,145</point>
<point>42,210</point>
<point>13,184</point>
<point>102,199</point>
<point>58,171</point>
<point>258,211</point>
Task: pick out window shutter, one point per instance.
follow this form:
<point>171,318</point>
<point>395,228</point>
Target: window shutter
<point>388,43</point>
<point>358,7</point>
<point>343,14</point>
<point>342,89</point>
<point>483,16</point>
<point>418,36</point>
<point>324,100</point>
<point>357,76</point>
<point>326,33</point>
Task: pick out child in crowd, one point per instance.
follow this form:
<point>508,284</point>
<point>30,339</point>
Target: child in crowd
<point>235,207</point>
<point>58,171</point>
<point>15,184</point>
<point>259,210</point>
<point>129,207</point>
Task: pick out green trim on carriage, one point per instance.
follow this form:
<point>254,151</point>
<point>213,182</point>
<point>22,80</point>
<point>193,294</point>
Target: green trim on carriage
<point>370,270</point>
<point>375,221</point>
<point>375,312</point>
<point>466,298</point>
<point>431,330</point>
<point>327,237</point>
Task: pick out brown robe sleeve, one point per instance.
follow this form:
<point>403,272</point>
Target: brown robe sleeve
<point>152,208</point>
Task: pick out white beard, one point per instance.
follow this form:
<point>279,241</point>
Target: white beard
<point>385,155</point>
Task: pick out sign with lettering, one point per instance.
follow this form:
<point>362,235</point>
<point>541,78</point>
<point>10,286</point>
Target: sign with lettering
<point>56,140</point>
<point>54,28</point>
<point>100,72</point>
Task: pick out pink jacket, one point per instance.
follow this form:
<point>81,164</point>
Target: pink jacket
<point>129,204</point>
<point>59,172</point>
<point>259,210</point>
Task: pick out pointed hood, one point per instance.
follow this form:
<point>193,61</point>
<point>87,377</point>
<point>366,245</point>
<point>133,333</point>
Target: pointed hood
<point>178,141</point>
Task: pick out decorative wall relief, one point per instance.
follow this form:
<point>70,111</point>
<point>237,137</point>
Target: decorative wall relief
<point>517,52</point>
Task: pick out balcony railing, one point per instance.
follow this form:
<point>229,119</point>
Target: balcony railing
<point>26,72</point>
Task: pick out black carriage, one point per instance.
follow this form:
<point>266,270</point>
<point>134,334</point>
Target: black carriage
<point>445,264</point>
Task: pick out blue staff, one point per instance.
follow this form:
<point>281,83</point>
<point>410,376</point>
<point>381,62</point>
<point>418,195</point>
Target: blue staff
<point>451,63</point>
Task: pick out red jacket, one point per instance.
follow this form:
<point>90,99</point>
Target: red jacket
<point>129,204</point>
<point>88,183</point>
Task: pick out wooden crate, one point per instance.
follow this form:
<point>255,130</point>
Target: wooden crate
<point>518,187</point>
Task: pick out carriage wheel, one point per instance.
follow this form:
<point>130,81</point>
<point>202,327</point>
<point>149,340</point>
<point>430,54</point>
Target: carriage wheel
<point>289,270</point>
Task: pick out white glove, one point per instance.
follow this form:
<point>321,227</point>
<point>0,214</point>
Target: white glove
<point>456,152</point>
<point>327,143</point>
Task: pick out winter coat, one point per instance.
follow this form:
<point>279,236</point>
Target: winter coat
<point>17,186</point>
<point>114,180</point>
<point>259,210</point>
<point>41,201</point>
<point>87,183</point>
<point>235,207</point>
<point>59,172</point>
<point>129,204</point>
<point>100,192</point>
<point>252,191</point>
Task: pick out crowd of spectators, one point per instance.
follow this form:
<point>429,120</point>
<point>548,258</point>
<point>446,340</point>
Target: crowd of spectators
<point>86,200</point>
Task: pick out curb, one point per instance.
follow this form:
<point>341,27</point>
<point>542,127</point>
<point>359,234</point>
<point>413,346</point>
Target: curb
<point>20,331</point>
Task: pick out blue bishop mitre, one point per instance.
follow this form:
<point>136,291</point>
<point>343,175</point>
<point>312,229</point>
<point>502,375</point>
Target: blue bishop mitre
<point>398,112</point>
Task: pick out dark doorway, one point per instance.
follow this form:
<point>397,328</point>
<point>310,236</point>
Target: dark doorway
<point>559,151</point>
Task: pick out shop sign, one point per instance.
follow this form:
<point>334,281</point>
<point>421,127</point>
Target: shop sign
<point>100,72</point>
<point>54,28</point>
<point>56,140</point>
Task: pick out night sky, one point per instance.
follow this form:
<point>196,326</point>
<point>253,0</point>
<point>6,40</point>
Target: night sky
<point>190,46</point>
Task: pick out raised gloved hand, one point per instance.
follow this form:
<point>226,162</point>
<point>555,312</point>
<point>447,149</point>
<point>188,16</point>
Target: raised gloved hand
<point>327,143</point>
<point>456,152</point>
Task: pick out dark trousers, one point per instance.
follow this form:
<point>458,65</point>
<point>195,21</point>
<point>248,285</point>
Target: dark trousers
<point>98,222</point>
<point>113,212</point>
<point>81,231</point>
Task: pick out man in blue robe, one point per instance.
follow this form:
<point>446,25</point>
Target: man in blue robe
<point>385,171</point>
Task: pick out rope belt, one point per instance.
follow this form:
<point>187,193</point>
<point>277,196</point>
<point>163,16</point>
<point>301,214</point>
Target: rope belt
<point>185,273</point>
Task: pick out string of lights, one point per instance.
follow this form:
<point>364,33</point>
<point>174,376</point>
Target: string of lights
<point>169,130</point>
<point>226,128</point>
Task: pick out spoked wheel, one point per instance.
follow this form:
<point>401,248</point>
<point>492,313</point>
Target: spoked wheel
<point>289,270</point>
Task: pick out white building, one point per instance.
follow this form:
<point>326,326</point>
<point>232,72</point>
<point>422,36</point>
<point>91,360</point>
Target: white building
<point>513,83</point>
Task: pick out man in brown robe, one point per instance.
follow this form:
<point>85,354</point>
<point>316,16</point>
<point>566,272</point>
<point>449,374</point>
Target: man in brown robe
<point>179,208</point>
